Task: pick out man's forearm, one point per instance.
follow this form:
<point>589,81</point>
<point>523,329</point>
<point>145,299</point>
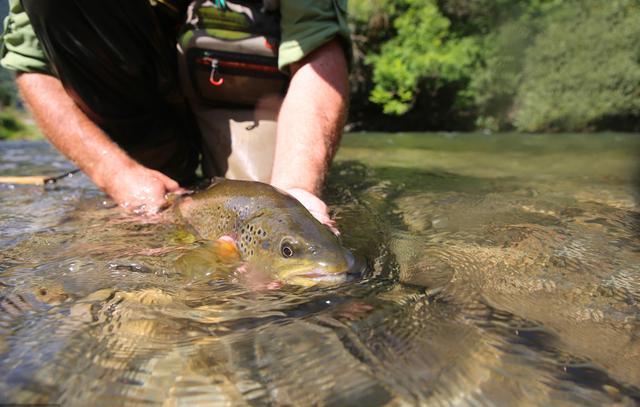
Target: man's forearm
<point>130,184</point>
<point>69,129</point>
<point>311,119</point>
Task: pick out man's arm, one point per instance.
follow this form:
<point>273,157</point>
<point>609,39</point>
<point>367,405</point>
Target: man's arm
<point>310,125</point>
<point>130,184</point>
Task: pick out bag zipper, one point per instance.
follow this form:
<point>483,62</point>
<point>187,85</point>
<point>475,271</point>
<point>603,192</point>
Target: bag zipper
<point>218,66</point>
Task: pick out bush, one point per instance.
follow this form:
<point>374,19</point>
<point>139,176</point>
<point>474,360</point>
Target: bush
<point>583,69</point>
<point>10,125</point>
<point>423,48</point>
<point>497,79</point>
<point>8,92</point>
<point>529,65</point>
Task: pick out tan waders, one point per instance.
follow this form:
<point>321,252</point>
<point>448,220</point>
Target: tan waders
<point>237,142</point>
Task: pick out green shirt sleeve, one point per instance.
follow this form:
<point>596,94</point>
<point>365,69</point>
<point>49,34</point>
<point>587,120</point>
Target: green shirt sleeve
<point>308,24</point>
<point>20,49</point>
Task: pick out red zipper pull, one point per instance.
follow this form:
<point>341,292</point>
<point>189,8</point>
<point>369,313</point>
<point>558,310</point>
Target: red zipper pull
<point>212,75</point>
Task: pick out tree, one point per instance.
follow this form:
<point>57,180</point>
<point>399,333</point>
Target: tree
<point>583,70</point>
<point>423,48</point>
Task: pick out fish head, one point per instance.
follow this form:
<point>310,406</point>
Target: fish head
<point>293,247</point>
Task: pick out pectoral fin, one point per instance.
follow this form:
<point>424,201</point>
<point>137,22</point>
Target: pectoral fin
<point>226,249</point>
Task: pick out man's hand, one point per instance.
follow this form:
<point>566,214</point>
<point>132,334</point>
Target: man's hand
<point>139,189</point>
<point>318,209</point>
<point>134,187</point>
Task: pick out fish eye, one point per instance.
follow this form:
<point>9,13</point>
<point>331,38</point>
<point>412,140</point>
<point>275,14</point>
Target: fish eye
<point>286,250</point>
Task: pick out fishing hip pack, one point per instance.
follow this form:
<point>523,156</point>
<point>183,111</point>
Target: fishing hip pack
<point>231,51</point>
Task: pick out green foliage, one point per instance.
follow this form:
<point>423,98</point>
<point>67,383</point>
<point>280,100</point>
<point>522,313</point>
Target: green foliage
<point>473,17</point>
<point>363,11</point>
<point>583,68</point>
<point>498,77</point>
<point>549,66</point>
<point>424,47</point>
<point>529,65</point>
<point>11,126</point>
<point>12,116</point>
<point>8,92</point>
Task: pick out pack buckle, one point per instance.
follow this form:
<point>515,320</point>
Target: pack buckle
<point>212,76</point>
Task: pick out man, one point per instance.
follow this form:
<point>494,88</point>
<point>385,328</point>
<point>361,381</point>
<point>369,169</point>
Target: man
<point>102,83</point>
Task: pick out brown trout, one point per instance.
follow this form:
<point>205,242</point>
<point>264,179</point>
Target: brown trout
<point>270,229</point>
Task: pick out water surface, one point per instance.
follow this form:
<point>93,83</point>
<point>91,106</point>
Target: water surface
<point>505,269</point>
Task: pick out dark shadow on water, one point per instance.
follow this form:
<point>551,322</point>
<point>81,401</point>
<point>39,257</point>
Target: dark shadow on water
<point>532,336</point>
<point>414,180</point>
<point>358,177</point>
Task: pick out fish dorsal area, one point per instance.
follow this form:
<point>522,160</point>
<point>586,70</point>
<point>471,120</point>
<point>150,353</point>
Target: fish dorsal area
<point>249,212</point>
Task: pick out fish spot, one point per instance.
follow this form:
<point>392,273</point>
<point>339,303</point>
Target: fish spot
<point>266,245</point>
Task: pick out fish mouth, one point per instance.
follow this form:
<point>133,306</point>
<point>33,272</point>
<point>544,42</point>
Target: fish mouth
<point>307,276</point>
<point>312,279</point>
<point>323,277</point>
<point>324,273</point>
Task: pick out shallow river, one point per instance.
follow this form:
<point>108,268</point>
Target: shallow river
<point>505,270</point>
